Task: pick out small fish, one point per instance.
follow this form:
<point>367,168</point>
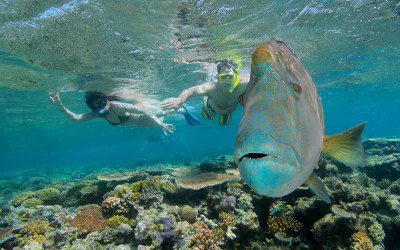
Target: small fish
<point>282,132</point>
<point>283,237</point>
<point>276,209</point>
<point>342,213</point>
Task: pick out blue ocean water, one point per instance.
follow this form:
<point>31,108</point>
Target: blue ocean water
<point>157,49</point>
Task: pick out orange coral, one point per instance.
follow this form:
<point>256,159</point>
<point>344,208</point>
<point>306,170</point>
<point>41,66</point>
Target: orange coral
<point>35,227</point>
<point>88,219</point>
<point>35,230</point>
<point>204,238</point>
<point>361,241</point>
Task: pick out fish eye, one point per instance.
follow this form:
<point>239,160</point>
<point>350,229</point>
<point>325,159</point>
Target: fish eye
<point>240,99</point>
<point>297,89</point>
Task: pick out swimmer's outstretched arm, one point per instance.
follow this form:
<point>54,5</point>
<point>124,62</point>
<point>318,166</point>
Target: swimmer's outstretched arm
<point>55,99</point>
<point>121,108</point>
<point>175,103</point>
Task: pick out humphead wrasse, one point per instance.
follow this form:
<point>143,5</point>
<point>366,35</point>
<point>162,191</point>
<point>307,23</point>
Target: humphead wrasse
<point>281,134</point>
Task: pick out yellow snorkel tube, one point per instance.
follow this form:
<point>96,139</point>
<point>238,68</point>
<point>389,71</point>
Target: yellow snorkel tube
<point>235,84</point>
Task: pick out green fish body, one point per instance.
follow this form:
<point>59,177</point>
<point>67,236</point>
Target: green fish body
<point>281,134</point>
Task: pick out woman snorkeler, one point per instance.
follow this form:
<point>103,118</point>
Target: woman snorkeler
<point>115,112</point>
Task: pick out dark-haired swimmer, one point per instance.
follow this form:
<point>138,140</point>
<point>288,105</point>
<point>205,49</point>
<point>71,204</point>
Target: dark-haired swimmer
<point>114,111</point>
<point>220,97</point>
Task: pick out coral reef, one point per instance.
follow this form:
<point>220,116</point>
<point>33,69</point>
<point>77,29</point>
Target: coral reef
<point>195,179</point>
<point>115,177</point>
<point>48,195</point>
<point>188,214</point>
<point>117,220</point>
<point>5,235</point>
<point>31,202</point>
<point>204,206</point>
<point>282,223</point>
<point>361,241</point>
<point>114,205</point>
<point>225,219</point>
<point>227,204</point>
<point>21,197</point>
<point>204,238</point>
<point>35,231</point>
<point>88,219</point>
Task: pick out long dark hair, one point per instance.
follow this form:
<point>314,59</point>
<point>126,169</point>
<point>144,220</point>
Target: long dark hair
<point>97,100</point>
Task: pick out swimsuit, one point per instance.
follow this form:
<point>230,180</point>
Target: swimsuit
<point>121,118</point>
<point>209,113</point>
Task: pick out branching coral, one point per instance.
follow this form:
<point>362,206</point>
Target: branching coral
<point>204,238</point>
<point>282,223</point>
<point>88,219</point>
<point>361,241</point>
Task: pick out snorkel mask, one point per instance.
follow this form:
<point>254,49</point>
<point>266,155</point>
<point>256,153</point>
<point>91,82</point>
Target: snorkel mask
<point>231,80</point>
<point>96,101</point>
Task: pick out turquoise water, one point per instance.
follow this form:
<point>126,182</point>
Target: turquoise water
<point>157,49</point>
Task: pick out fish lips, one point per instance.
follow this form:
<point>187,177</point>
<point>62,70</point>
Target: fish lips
<point>269,174</point>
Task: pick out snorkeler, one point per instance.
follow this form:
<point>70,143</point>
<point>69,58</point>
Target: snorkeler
<point>220,97</point>
<point>114,111</point>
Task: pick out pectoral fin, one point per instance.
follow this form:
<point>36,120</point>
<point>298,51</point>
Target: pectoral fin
<point>318,187</point>
<point>346,146</point>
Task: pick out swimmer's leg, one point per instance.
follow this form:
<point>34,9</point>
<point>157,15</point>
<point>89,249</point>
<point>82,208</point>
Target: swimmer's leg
<point>224,119</point>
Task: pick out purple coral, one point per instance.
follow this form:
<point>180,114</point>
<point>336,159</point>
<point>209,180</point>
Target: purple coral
<point>167,223</point>
<point>166,238</point>
<point>227,204</point>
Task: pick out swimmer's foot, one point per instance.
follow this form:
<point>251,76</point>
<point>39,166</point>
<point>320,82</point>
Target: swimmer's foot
<point>189,117</point>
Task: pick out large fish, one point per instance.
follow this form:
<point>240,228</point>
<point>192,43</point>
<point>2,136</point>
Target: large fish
<point>281,134</point>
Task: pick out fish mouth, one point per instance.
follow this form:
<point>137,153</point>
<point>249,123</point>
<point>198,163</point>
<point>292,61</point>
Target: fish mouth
<point>269,169</point>
<point>253,156</point>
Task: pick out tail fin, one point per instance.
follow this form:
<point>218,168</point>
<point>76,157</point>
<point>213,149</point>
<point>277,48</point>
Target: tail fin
<point>346,146</point>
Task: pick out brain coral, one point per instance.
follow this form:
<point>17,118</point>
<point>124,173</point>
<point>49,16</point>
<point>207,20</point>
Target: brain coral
<point>188,214</point>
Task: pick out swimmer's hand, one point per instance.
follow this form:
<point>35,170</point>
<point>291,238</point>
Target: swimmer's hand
<point>171,103</point>
<point>167,128</point>
<point>55,99</point>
